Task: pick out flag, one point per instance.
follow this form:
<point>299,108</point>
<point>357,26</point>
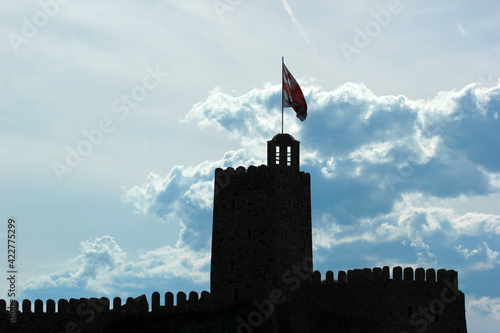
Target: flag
<point>292,95</point>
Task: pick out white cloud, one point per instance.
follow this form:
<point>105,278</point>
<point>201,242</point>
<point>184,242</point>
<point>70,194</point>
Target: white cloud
<point>418,217</point>
<point>97,268</point>
<point>466,252</point>
<point>426,259</point>
<point>372,153</point>
<point>201,194</point>
<point>491,259</point>
<point>483,313</point>
<point>391,169</point>
<point>102,268</point>
<point>484,257</point>
<point>329,169</point>
<point>167,262</point>
<point>473,223</point>
<point>253,114</point>
<point>488,306</point>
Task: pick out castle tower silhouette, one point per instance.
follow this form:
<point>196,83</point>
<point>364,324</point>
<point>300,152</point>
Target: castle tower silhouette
<point>262,247</point>
<point>261,225</point>
<point>262,277</point>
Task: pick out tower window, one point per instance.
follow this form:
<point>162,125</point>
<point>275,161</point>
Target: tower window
<point>277,154</point>
<point>288,155</point>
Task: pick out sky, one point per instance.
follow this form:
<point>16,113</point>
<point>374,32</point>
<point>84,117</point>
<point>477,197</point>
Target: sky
<point>115,114</point>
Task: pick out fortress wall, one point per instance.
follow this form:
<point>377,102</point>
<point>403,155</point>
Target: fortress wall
<point>103,304</point>
<point>411,298</point>
<point>367,275</point>
<point>97,314</point>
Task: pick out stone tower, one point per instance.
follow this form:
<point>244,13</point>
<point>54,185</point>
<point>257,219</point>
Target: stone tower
<point>261,225</point>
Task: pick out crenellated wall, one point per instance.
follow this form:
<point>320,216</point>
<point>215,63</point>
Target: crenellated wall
<point>408,300</point>
<point>252,170</point>
<point>103,304</point>
<point>370,300</point>
<point>194,301</point>
<point>102,315</point>
<point>368,275</point>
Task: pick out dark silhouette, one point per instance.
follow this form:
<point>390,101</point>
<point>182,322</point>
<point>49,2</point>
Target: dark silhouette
<point>262,277</point>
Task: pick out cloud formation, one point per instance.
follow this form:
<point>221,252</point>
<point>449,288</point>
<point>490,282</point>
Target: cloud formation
<point>385,168</point>
<point>102,268</point>
<point>483,313</point>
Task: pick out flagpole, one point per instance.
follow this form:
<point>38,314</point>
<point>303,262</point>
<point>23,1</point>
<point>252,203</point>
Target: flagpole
<point>282,63</point>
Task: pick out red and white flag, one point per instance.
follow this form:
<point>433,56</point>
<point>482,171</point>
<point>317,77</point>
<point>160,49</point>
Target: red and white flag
<point>292,95</point>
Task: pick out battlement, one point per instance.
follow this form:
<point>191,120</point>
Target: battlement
<point>378,274</point>
<point>223,176</point>
<point>132,305</point>
<point>97,315</point>
<point>374,294</point>
<point>262,169</point>
<point>196,303</point>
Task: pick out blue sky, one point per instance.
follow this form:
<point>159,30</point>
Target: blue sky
<point>114,115</point>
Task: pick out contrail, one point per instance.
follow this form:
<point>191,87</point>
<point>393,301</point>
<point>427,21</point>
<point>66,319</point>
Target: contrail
<point>462,30</point>
<point>294,19</point>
